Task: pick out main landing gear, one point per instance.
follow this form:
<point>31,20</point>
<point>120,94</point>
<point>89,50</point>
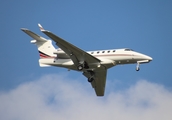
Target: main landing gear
<point>82,66</point>
<point>91,78</point>
<point>90,74</point>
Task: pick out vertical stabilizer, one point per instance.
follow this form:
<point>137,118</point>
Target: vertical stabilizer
<point>45,49</point>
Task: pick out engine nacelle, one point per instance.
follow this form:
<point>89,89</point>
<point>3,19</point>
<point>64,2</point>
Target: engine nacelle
<point>61,54</point>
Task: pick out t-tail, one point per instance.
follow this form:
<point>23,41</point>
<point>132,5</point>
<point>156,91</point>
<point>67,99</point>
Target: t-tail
<point>44,46</point>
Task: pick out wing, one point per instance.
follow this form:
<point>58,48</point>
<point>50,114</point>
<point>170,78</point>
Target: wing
<point>76,54</point>
<point>99,81</point>
<point>33,35</point>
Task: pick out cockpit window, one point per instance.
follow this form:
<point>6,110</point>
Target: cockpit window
<point>128,50</point>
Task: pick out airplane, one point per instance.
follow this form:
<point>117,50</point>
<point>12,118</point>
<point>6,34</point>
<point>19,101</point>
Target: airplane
<point>92,64</point>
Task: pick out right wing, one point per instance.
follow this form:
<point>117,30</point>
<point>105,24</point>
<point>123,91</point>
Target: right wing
<point>77,55</point>
<point>33,35</point>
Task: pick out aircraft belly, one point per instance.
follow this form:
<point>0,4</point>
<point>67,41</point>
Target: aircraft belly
<point>118,60</point>
<point>63,56</point>
<point>61,62</point>
<point>107,62</point>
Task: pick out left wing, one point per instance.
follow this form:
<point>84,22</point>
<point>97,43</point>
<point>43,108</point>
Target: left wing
<point>99,81</point>
<point>76,54</point>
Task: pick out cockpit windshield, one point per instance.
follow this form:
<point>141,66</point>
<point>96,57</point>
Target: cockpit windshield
<point>128,49</point>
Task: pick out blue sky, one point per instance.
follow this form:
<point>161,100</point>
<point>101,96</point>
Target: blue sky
<point>145,26</point>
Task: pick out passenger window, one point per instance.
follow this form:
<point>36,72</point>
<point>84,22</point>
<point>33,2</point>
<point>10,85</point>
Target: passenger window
<point>98,52</point>
<point>103,51</point>
<point>108,51</point>
<point>92,52</point>
<point>113,50</point>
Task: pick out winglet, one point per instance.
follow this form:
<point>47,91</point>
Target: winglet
<point>24,29</point>
<point>40,27</point>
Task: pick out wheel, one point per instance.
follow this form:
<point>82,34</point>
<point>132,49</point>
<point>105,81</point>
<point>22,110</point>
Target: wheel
<point>90,79</point>
<point>137,69</point>
<point>80,67</point>
<point>86,65</point>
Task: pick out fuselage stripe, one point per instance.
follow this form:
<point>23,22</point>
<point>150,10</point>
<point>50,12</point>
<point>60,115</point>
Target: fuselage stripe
<point>43,55</point>
<point>113,55</point>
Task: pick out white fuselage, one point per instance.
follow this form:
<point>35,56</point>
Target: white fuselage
<point>109,58</point>
<point>92,64</point>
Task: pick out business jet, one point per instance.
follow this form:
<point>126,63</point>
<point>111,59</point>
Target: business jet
<point>92,64</point>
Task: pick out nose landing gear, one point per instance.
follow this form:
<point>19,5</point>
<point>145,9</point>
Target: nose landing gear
<point>139,62</point>
<point>137,67</point>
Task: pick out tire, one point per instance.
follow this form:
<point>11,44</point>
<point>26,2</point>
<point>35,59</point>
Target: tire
<point>80,67</point>
<point>137,69</point>
<point>90,79</point>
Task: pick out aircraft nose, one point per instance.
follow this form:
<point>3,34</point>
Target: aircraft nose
<point>144,57</point>
<point>149,58</point>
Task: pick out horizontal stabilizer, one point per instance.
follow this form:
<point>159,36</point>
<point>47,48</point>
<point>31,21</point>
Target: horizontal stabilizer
<point>34,35</point>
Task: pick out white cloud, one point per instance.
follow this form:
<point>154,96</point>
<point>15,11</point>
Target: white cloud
<point>60,98</point>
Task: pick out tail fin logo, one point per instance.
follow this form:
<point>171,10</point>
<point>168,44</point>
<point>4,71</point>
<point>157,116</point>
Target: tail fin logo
<point>43,55</point>
<point>40,27</point>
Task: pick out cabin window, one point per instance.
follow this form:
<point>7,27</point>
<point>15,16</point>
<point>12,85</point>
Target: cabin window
<point>98,52</point>
<point>113,50</point>
<point>103,51</point>
<point>108,51</point>
<point>92,52</point>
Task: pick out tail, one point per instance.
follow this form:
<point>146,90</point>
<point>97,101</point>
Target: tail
<point>44,46</point>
